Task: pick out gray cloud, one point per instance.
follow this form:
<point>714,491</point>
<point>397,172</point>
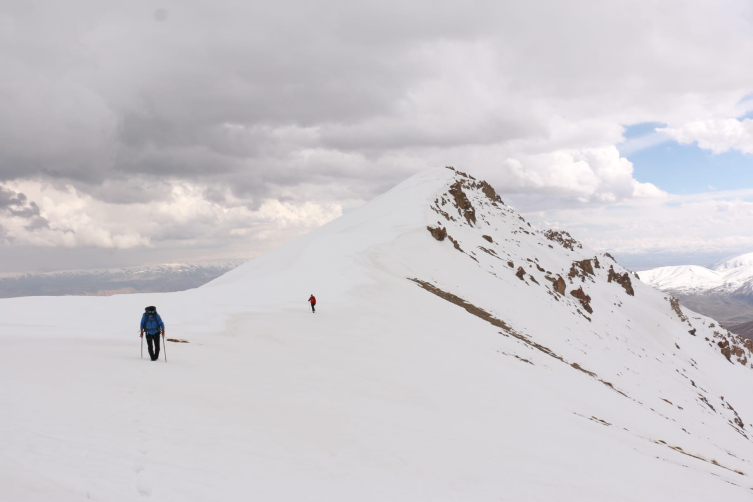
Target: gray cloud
<point>16,204</point>
<point>333,102</point>
<point>38,222</point>
<point>128,94</point>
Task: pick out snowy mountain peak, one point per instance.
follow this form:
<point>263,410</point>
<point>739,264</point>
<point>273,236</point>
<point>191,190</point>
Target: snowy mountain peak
<point>680,278</point>
<point>741,261</point>
<point>724,292</point>
<point>456,353</point>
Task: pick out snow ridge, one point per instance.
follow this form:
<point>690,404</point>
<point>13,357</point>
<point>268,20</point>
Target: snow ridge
<point>457,353</point>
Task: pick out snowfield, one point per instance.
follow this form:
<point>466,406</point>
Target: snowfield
<point>448,363</point>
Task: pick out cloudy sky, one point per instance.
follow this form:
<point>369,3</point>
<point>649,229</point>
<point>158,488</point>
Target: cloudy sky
<point>150,131</point>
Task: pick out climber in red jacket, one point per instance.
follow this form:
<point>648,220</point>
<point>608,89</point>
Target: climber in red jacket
<point>312,301</point>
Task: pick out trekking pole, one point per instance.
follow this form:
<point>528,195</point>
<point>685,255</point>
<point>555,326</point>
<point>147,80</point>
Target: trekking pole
<point>164,346</point>
<point>142,346</point>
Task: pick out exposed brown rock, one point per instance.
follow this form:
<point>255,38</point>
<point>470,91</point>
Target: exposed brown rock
<point>469,307</point>
<point>510,264</point>
<point>455,243</point>
<point>692,331</point>
<point>465,208</point>
<point>724,346</point>
<point>520,273</point>
<point>582,269</point>
<point>712,461</point>
<point>586,266</point>
<point>621,279</point>
<point>488,238</point>
<point>443,213</point>
<point>703,398</point>
<point>563,238</point>
<point>489,251</point>
<point>558,284</point>
<point>675,304</point>
<point>438,233</point>
<point>489,191</point>
<point>734,346</point>
<point>584,299</point>
<point>533,278</point>
<point>580,368</point>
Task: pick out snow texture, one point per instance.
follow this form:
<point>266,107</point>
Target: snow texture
<point>432,370</point>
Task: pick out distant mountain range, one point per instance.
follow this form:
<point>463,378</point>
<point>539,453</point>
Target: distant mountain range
<point>724,292</point>
<point>105,282</point>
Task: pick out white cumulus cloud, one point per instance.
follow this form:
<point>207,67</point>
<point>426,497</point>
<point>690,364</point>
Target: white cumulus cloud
<point>717,135</point>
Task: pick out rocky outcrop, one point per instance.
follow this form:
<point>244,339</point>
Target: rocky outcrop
<point>489,191</point>
<point>520,274</point>
<point>725,348</point>
<point>455,243</point>
<point>621,279</point>
<point>438,233</point>
<point>675,304</point>
<point>488,238</point>
<point>562,238</point>
<point>558,284</point>
<point>585,266</point>
<point>584,299</point>
<point>463,203</point>
<point>734,347</point>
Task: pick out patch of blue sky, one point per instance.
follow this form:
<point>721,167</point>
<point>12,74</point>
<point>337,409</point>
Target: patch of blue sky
<point>683,169</point>
<point>642,129</point>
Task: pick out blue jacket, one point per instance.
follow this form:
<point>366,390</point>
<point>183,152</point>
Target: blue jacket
<point>153,326</point>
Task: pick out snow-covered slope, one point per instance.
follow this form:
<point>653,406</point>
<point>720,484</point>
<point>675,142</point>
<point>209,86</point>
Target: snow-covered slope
<point>724,291</point>
<point>456,354</point>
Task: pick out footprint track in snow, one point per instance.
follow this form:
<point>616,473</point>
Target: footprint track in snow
<point>143,487</point>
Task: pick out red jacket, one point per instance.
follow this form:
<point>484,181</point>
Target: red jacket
<point>312,299</point>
